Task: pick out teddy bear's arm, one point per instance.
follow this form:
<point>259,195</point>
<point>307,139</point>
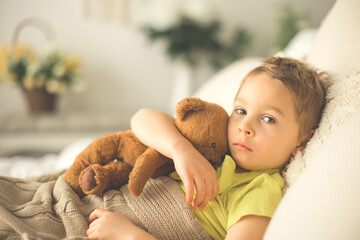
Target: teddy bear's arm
<point>96,179</point>
<point>145,167</point>
<point>101,151</point>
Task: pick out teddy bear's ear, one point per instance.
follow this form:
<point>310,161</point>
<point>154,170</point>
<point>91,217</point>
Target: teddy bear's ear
<point>187,105</point>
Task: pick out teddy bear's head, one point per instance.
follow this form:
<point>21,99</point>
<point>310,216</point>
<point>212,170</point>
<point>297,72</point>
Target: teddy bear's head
<point>204,124</point>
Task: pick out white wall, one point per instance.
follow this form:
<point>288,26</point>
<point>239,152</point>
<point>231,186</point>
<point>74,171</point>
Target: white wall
<point>122,70</point>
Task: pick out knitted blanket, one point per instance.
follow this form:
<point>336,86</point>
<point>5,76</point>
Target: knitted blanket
<point>47,208</point>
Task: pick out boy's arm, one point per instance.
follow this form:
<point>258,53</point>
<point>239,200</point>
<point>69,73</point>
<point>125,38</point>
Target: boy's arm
<point>157,130</point>
<point>248,228</point>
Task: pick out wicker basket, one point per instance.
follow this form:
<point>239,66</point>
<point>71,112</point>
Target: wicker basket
<point>38,100</point>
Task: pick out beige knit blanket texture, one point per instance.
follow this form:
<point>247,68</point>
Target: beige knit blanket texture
<point>47,208</point>
<point>342,100</point>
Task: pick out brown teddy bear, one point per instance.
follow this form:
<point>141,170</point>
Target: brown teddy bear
<point>115,159</point>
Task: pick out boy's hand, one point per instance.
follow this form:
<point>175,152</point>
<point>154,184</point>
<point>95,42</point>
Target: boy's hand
<point>109,225</point>
<point>196,172</point>
<point>193,169</point>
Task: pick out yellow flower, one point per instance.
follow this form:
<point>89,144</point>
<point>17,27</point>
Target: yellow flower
<point>55,86</point>
<point>28,82</point>
<point>3,58</point>
<point>52,86</point>
<point>59,70</point>
<point>55,71</point>
<point>72,63</point>
<point>9,56</point>
<point>22,50</point>
<point>40,81</point>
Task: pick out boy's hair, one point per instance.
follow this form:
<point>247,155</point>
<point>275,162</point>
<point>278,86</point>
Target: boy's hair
<point>304,83</point>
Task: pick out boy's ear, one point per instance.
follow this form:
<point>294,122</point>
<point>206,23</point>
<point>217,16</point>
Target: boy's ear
<point>305,139</point>
<point>187,105</point>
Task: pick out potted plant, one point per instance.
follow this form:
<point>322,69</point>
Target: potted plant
<point>41,78</point>
<point>190,31</point>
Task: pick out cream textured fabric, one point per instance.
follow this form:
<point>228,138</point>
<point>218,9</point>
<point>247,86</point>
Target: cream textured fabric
<point>336,46</point>
<point>47,208</point>
<point>342,100</point>
<point>336,50</point>
<point>324,203</point>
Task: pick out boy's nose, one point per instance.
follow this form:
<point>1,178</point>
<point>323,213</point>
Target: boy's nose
<point>247,130</point>
<point>249,133</point>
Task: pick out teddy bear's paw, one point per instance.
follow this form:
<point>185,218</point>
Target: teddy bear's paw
<point>94,179</point>
<point>88,181</point>
<point>135,187</point>
<point>136,191</point>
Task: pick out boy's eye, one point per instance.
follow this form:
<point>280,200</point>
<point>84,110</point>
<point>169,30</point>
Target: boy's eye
<point>240,111</point>
<point>269,119</point>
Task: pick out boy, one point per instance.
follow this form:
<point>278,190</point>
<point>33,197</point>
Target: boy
<point>276,110</point>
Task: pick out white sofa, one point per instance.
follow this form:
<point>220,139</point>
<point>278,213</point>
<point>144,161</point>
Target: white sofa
<point>322,200</point>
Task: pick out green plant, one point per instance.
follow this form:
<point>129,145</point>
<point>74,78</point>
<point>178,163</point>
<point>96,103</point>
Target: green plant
<point>190,38</point>
<point>289,21</point>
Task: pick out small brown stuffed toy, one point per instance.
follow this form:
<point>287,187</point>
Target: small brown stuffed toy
<point>115,159</point>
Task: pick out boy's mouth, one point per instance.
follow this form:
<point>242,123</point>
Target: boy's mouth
<point>242,147</point>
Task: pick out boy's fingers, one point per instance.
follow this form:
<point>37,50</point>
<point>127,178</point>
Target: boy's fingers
<point>200,192</point>
<point>189,187</point>
<point>202,205</point>
<point>96,214</point>
<point>208,193</point>
<point>89,231</point>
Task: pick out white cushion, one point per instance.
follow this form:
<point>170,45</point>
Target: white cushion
<point>299,47</point>
<point>337,45</point>
<point>223,86</point>
<point>336,49</point>
<point>325,201</point>
<point>342,100</point>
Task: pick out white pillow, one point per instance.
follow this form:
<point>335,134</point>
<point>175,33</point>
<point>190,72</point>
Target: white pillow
<point>337,44</point>
<point>337,50</point>
<point>222,87</point>
<point>324,203</point>
<point>299,46</point>
<point>342,100</point>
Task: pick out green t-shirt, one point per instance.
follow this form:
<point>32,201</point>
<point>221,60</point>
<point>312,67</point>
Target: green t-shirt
<point>240,194</point>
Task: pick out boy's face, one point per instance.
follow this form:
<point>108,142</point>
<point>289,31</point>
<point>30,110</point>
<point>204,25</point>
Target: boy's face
<point>263,130</point>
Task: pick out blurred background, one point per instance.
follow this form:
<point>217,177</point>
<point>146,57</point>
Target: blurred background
<point>102,60</point>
